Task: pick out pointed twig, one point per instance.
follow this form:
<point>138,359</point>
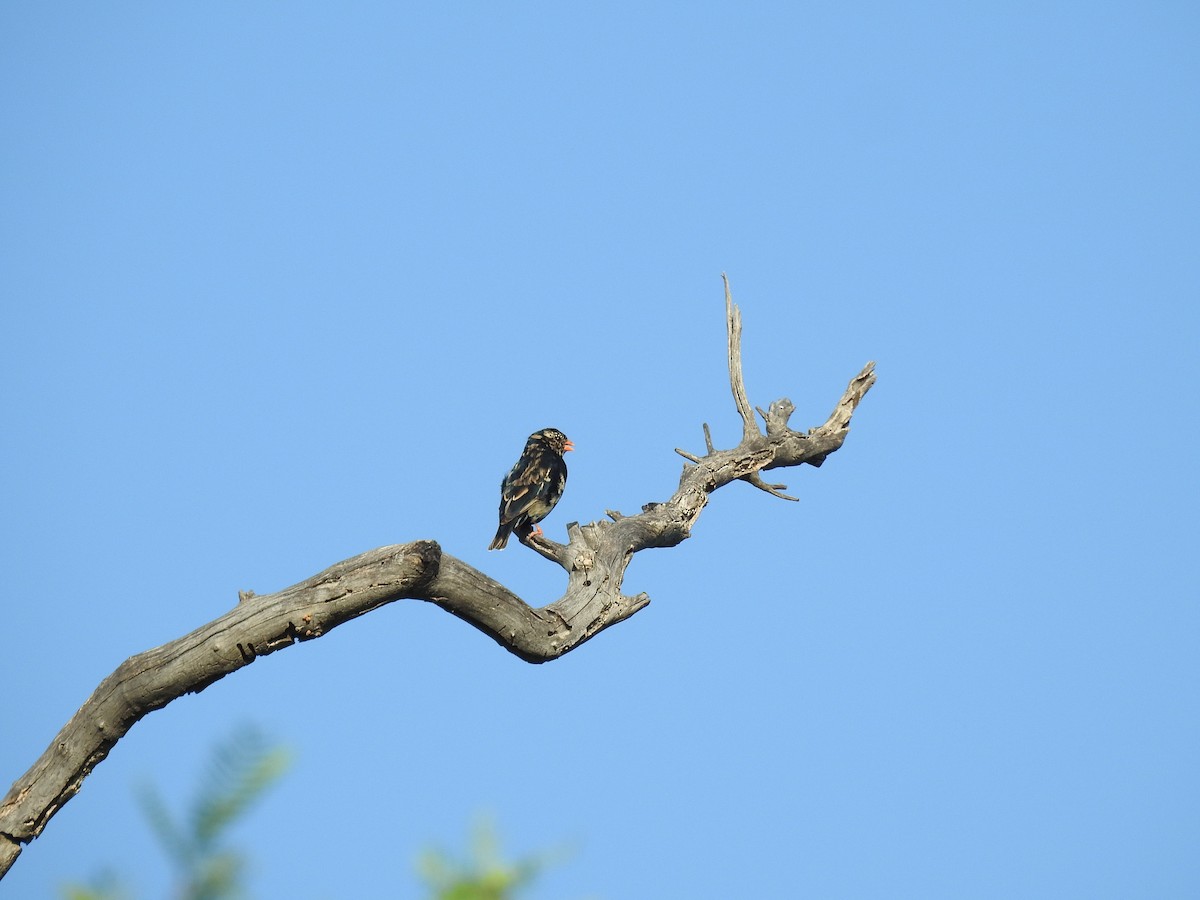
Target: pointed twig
<point>733,317</point>
<point>773,489</point>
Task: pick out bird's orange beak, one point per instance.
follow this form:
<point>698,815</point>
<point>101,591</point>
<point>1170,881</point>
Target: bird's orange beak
<point>568,445</point>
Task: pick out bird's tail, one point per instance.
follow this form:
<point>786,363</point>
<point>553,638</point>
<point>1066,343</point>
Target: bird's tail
<point>500,541</point>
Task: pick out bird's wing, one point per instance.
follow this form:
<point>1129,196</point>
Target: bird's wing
<point>532,487</point>
<point>522,487</point>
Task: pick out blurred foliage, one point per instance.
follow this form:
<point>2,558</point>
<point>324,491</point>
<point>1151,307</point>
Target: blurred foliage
<point>240,771</point>
<point>238,774</point>
<point>103,887</point>
<point>485,876</point>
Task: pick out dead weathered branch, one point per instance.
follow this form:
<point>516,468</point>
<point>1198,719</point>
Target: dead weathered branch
<point>595,558</point>
<point>733,316</point>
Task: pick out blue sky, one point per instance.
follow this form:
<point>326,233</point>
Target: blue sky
<point>283,283</point>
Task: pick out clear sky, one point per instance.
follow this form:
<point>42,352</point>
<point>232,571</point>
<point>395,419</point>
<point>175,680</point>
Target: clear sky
<point>284,282</point>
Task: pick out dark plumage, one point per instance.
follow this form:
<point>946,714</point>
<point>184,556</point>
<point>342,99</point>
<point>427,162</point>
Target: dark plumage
<point>530,490</point>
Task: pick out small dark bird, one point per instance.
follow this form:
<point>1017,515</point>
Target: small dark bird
<point>530,490</point>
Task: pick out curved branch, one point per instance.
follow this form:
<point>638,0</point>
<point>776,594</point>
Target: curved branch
<point>595,558</point>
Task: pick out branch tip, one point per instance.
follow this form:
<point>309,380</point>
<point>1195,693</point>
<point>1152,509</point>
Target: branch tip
<point>775,490</point>
<point>839,419</point>
<point>733,321</point>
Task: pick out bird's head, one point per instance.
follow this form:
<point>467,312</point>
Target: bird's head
<point>554,439</point>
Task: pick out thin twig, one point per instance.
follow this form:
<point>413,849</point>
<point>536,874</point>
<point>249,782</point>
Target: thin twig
<point>773,489</point>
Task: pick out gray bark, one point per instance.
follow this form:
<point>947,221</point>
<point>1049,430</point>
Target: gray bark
<point>595,558</point>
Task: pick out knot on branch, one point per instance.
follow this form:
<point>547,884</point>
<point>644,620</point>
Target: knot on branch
<point>584,560</point>
<point>776,417</point>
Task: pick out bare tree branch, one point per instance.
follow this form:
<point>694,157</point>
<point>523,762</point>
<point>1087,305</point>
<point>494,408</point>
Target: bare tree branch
<point>595,558</point>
